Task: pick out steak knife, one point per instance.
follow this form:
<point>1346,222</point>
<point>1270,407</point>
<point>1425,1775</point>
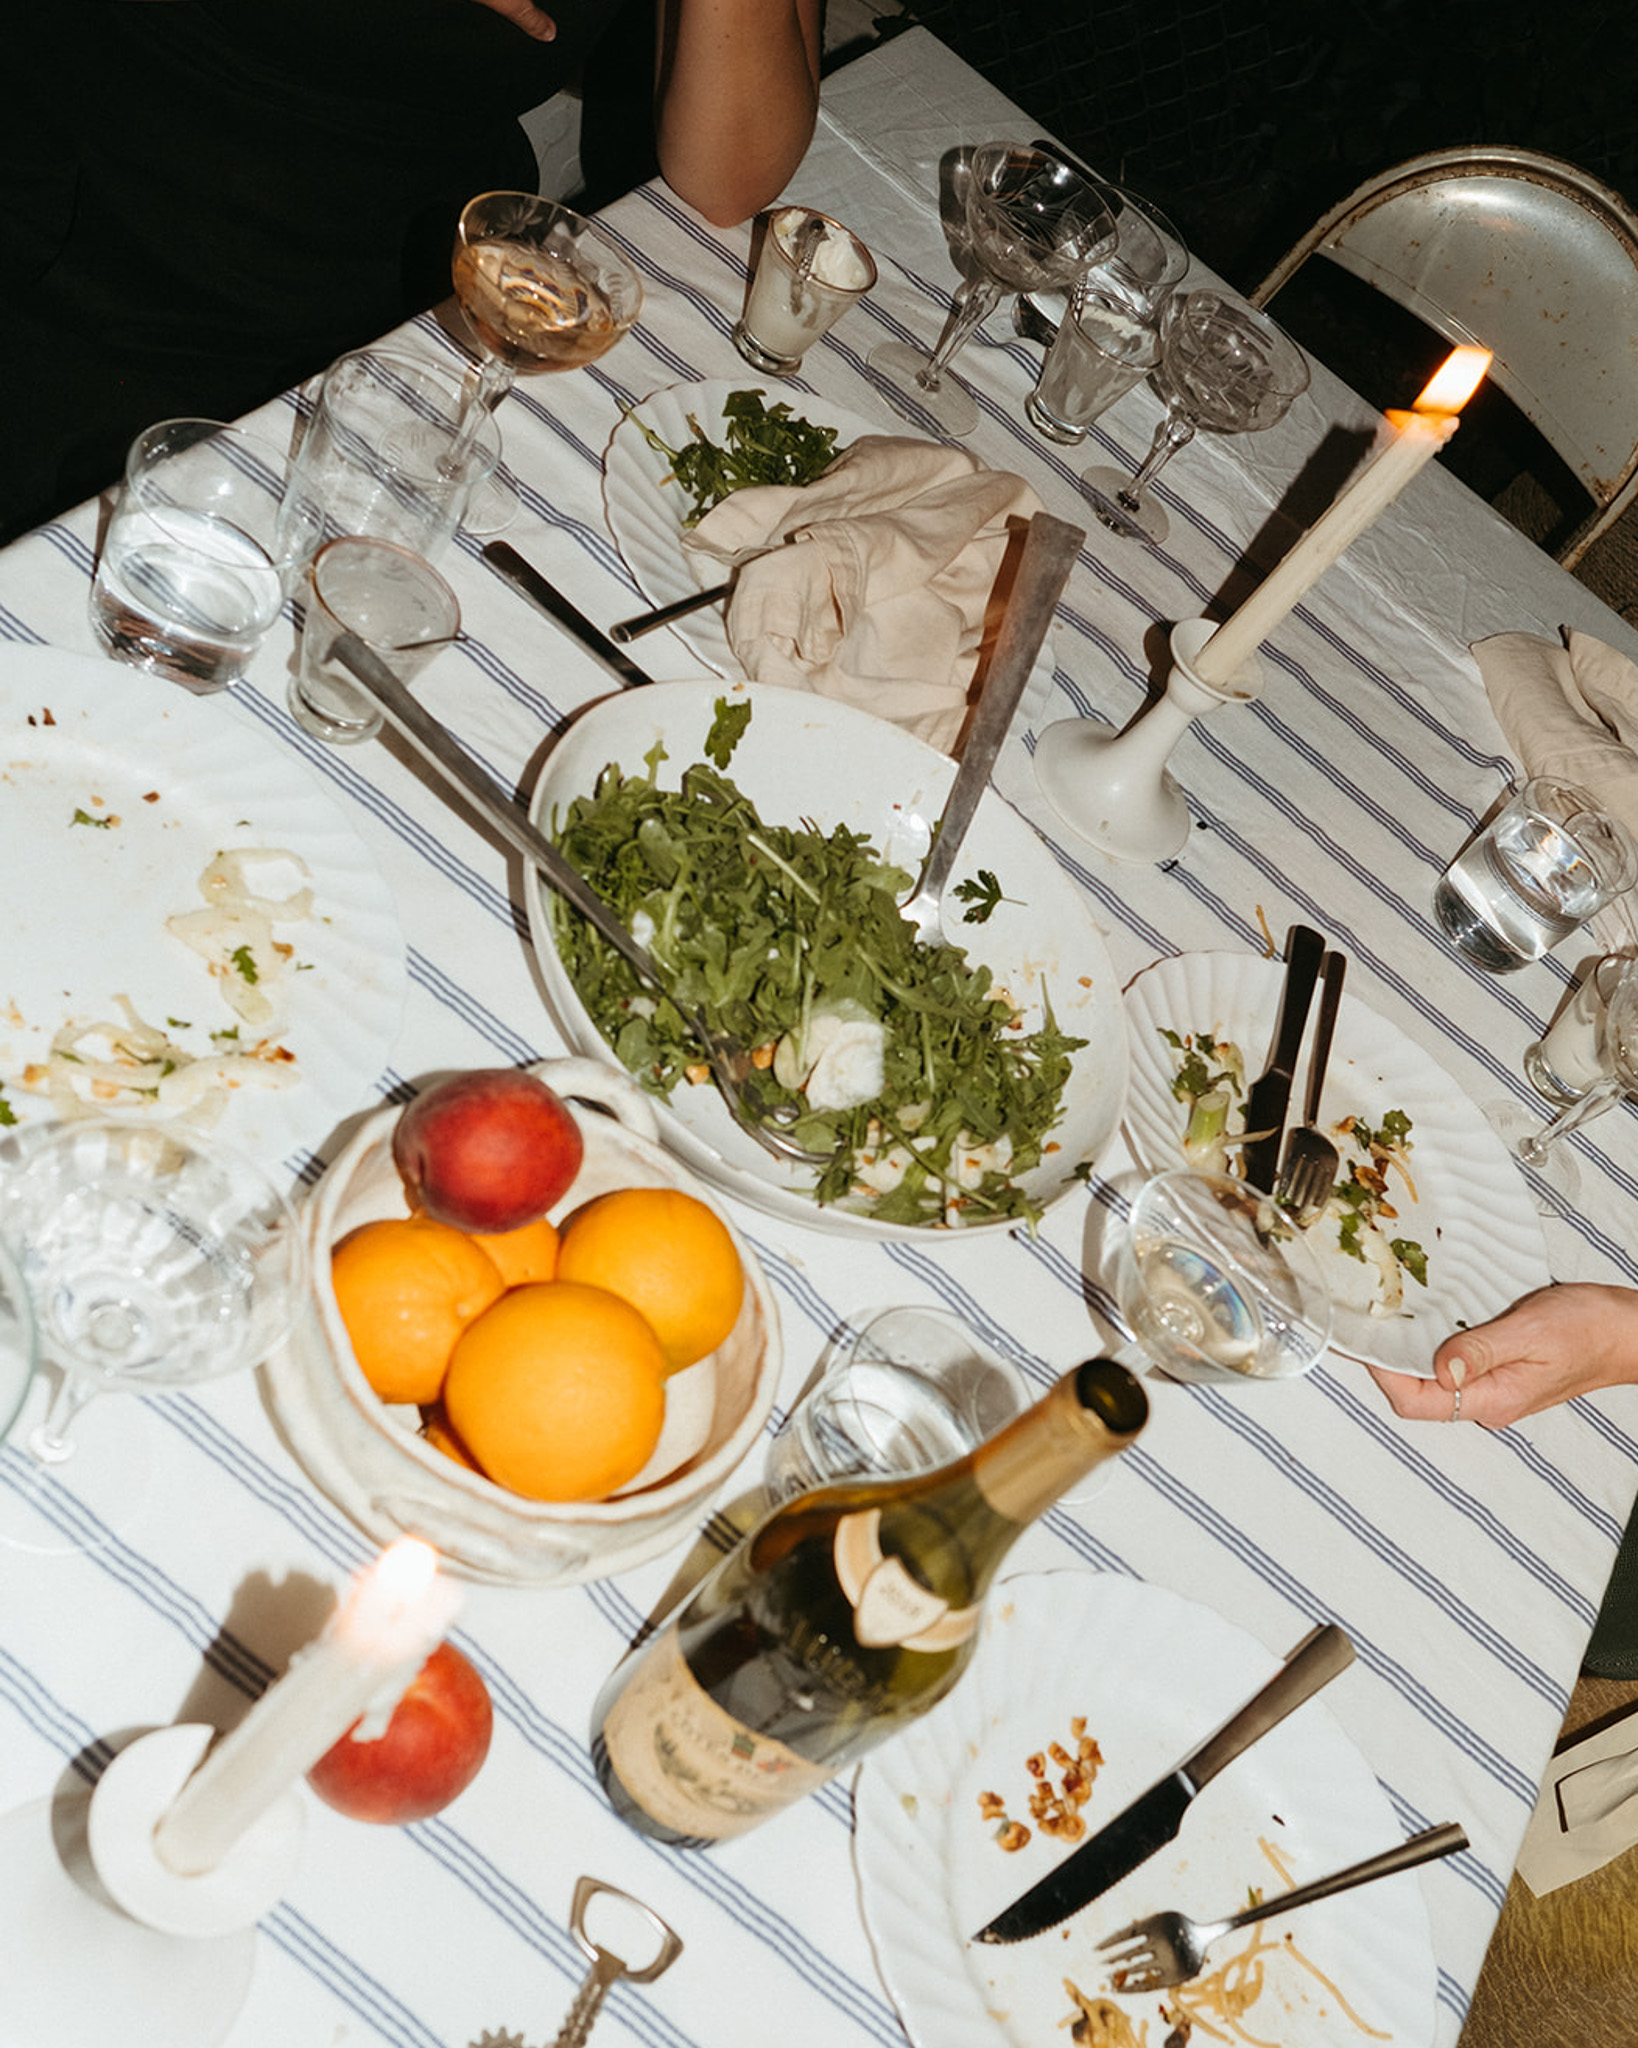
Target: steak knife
<point>527,580</point>
<point>1154,1817</point>
<point>1270,1094</point>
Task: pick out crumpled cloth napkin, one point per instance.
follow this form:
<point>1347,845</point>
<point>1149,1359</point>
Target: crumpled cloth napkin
<point>1568,711</point>
<point>1587,1814</point>
<point>878,580</point>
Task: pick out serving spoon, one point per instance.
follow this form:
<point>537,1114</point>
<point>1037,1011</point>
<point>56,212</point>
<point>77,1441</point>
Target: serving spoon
<point>1050,548</point>
<point>728,1059</point>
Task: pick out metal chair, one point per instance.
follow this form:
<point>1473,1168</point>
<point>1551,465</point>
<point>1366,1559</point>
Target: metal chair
<point>1531,258</point>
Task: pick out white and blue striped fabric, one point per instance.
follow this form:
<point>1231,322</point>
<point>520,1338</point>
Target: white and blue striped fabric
<point>1467,1567</point>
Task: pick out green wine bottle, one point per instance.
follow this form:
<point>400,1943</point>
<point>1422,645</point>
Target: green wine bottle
<point>842,1615</point>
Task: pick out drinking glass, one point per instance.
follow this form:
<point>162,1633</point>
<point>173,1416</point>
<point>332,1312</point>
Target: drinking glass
<point>1034,223</point>
<point>1217,1284</point>
<point>1224,369</point>
<point>394,602</point>
<point>152,1260</point>
<point>18,1342</point>
<point>1543,865</point>
<point>209,533</point>
<point>810,271</point>
<point>542,289</point>
<point>379,453</point>
<point>914,1389</point>
<point>1102,348</point>
<point>1612,1070</point>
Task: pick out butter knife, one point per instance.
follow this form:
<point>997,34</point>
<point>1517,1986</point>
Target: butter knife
<point>527,580</point>
<point>1154,1817</point>
<point>1269,1096</point>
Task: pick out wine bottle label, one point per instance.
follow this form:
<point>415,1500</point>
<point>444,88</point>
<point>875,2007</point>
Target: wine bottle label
<point>688,1763</point>
<point>889,1606</point>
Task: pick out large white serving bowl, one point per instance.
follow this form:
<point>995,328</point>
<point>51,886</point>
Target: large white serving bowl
<point>367,1457</point>
<point>804,757</point>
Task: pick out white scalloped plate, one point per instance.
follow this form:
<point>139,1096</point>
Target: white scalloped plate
<point>1474,1215</point>
<point>645,512</point>
<point>185,776</point>
<point>1153,1674</point>
<point>806,757</point>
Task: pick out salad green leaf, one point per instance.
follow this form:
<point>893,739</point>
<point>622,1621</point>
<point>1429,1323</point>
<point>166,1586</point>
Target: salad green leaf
<point>762,444</point>
<point>763,927</point>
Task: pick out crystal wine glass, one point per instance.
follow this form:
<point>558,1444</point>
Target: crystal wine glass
<point>1034,223</point>
<point>1224,369</point>
<point>1216,1283</point>
<point>152,1261</point>
<point>542,289</point>
<point>1616,1052</point>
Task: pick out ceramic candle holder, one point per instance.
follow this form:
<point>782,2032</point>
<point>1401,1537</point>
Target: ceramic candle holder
<point>1117,793</point>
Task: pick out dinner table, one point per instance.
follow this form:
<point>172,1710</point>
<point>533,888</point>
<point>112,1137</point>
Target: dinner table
<point>1466,1565</point>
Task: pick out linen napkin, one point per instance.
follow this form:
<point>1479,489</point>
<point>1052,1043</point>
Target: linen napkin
<point>877,579</point>
<point>1587,1814</point>
<point>1569,711</point>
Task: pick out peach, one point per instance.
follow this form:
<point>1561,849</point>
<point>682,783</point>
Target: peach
<point>487,1151</point>
<point>433,1747</point>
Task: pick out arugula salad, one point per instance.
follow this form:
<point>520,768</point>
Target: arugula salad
<point>762,444</point>
<point>1210,1082</point>
<point>903,1058</point>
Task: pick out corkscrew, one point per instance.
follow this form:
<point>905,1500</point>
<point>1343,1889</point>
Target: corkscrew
<point>606,1966</point>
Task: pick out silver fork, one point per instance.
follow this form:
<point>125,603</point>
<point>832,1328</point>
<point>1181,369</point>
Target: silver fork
<point>729,1060</point>
<point>1308,1171</point>
<point>1170,1948</point>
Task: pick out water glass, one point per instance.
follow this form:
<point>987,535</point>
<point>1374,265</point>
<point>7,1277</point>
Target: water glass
<point>1568,1058</point>
<point>385,454</point>
<point>18,1341</point>
<point>810,271</point>
<point>208,535</point>
<point>1543,865</point>
<point>914,1389</point>
<point>1217,1284</point>
<point>397,604</point>
<point>1102,348</point>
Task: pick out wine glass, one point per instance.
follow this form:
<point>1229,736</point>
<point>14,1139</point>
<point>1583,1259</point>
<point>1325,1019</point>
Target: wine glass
<point>151,1261</point>
<point>542,289</point>
<point>1224,369</point>
<point>1034,223</point>
<point>1216,1283</point>
<point>1615,1049</point>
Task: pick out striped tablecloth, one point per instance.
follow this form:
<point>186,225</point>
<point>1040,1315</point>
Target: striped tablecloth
<point>1467,1567</point>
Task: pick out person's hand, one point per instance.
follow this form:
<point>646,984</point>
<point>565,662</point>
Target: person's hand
<point>534,21</point>
<point>1553,1345</point>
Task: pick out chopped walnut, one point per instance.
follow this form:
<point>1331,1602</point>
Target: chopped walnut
<point>1012,1836</point>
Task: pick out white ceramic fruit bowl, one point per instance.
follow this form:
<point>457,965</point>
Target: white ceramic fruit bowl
<point>366,1457</point>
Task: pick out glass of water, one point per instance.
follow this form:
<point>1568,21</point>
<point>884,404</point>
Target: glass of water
<point>1543,865</point>
<point>1216,1283</point>
<point>912,1390</point>
<point>207,538</point>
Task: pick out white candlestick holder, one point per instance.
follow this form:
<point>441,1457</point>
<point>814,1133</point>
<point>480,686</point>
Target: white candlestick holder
<point>102,1942</point>
<point>1116,792</point>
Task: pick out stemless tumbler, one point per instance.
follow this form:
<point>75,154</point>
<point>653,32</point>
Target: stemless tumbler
<point>207,538</point>
<point>810,271</point>
<point>398,605</point>
<point>1102,348</point>
<point>1543,865</point>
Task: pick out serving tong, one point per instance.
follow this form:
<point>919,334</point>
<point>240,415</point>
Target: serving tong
<point>1170,1948</point>
<point>728,1059</point>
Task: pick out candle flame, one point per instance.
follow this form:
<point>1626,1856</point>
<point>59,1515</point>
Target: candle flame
<point>406,1568</point>
<point>1455,381</point>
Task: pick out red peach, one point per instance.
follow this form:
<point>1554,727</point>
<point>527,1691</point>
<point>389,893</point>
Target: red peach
<point>487,1151</point>
<point>433,1747</point>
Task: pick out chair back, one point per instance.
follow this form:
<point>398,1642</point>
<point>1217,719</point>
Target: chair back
<point>1533,259</point>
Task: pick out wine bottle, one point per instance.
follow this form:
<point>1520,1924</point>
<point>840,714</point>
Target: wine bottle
<point>842,1615</point>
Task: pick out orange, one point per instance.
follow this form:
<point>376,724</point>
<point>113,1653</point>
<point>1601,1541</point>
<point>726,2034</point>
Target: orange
<point>527,1253</point>
<point>667,1254</point>
<point>407,1287</point>
<point>435,1430</point>
<point>558,1391</point>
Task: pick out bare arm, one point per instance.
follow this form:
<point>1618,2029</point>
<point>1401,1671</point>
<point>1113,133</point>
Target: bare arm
<point>1555,1344</point>
<point>534,21</point>
<point>737,93</point>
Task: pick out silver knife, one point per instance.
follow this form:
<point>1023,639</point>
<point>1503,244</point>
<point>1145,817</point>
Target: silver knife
<point>526,579</point>
<point>1269,1096</point>
<point>1153,1819</point>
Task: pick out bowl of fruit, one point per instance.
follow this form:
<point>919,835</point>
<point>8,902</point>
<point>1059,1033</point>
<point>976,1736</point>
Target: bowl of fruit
<point>538,1343</point>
